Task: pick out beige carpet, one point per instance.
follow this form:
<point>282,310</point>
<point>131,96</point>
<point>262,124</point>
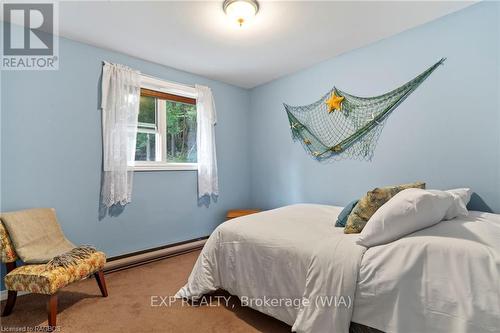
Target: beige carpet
<point>128,307</point>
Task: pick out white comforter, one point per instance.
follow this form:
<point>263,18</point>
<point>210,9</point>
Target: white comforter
<point>292,256</point>
<point>445,278</point>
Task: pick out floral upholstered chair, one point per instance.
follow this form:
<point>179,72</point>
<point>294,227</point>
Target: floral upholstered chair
<point>45,279</point>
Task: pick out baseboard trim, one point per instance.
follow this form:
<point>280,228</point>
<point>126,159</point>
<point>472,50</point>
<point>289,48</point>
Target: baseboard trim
<point>135,259</point>
<point>139,258</point>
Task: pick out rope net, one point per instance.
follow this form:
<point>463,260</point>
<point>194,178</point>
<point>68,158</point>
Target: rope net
<point>352,130</point>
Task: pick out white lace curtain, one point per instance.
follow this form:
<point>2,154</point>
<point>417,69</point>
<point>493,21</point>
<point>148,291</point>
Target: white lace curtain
<point>120,108</point>
<point>205,139</point>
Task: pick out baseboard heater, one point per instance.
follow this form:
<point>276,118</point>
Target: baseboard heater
<point>134,259</point>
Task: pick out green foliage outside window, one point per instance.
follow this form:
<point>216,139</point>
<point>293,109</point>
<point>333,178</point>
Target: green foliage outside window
<point>147,110</point>
<point>180,132</point>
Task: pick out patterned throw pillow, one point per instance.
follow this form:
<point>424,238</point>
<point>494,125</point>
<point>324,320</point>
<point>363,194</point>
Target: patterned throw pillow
<point>368,205</point>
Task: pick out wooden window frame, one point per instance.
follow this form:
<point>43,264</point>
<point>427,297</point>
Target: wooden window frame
<point>152,87</point>
<point>167,96</point>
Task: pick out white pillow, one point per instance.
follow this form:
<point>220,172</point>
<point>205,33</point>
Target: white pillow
<point>461,199</point>
<point>408,211</point>
<point>463,193</point>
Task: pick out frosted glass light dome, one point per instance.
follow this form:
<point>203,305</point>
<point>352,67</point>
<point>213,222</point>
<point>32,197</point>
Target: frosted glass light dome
<point>240,11</point>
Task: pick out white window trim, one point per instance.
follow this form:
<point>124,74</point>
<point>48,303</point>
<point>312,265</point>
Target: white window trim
<point>163,166</point>
<point>152,83</point>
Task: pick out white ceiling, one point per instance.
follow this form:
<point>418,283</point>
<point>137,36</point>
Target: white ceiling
<point>284,37</point>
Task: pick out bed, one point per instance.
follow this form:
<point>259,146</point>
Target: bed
<point>292,263</point>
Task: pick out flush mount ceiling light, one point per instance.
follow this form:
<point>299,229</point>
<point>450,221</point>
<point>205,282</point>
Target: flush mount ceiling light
<point>240,11</point>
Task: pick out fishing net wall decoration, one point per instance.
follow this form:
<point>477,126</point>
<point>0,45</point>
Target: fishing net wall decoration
<point>341,125</point>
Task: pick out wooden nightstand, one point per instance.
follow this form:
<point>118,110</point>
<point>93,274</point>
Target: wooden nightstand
<point>234,213</point>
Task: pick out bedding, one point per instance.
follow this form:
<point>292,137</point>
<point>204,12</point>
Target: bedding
<point>344,214</point>
<point>408,211</point>
<point>461,198</point>
<point>291,254</point>
<point>369,203</point>
<point>444,278</point>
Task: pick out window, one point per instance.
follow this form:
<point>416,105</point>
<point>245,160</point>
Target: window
<point>166,131</point>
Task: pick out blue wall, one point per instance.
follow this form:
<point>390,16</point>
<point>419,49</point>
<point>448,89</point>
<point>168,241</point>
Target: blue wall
<point>446,133</point>
<point>51,156</point>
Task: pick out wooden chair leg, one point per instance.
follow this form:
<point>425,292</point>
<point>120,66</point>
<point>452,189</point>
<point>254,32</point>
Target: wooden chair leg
<point>52,311</point>
<point>99,277</point>
<point>11,301</point>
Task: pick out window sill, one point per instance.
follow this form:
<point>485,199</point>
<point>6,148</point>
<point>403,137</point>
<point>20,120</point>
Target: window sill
<point>164,166</point>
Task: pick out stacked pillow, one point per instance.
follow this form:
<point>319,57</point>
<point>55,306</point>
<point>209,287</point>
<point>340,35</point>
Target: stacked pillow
<point>370,203</point>
<point>461,197</point>
<point>411,210</point>
<point>344,214</point>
